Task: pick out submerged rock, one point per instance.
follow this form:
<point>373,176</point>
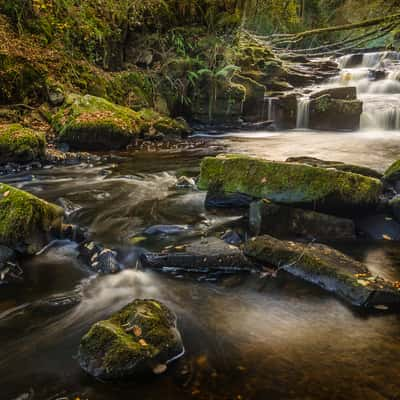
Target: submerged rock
<point>327,268</point>
<point>283,221</point>
<point>165,230</point>
<point>93,123</point>
<point>340,166</point>
<point>20,145</point>
<point>100,259</point>
<point>200,256</point>
<point>133,341</point>
<point>379,227</point>
<point>321,189</point>
<point>27,223</point>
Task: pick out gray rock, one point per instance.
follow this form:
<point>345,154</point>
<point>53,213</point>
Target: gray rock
<point>165,230</point>
<point>209,254</point>
<point>283,221</point>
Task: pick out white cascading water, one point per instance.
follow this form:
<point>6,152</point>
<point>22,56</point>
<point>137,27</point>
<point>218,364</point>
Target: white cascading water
<point>381,96</point>
<point>268,113</point>
<point>303,113</point>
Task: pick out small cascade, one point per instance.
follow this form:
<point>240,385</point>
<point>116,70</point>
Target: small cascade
<point>268,109</point>
<point>377,79</point>
<point>303,113</point>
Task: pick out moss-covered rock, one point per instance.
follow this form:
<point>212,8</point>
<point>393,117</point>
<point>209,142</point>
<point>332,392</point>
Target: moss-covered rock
<point>322,189</point>
<point>89,122</point>
<point>329,113</point>
<point>392,174</point>
<point>27,223</point>
<point>19,144</point>
<point>134,340</point>
<point>328,268</point>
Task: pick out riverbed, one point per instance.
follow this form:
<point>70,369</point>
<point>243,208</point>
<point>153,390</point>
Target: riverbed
<point>245,337</point>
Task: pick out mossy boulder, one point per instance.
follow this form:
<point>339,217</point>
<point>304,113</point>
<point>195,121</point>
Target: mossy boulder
<point>93,123</point>
<point>322,189</point>
<point>329,113</point>
<point>327,268</point>
<point>19,144</point>
<point>133,341</point>
<point>392,174</point>
<point>27,223</point>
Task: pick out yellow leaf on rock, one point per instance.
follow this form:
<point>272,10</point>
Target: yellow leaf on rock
<point>143,343</point>
<point>6,193</point>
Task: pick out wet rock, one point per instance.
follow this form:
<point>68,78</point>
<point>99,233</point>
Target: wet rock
<point>394,205</point>
<point>232,237</point>
<point>377,74</point>
<point>328,113</point>
<point>283,221</point>
<point>185,183</point>
<point>10,272</point>
<point>93,123</point>
<point>218,199</point>
<point>392,174</point>
<point>285,111</point>
<point>73,232</point>
<point>20,145</point>
<point>27,223</point>
<point>340,93</point>
<point>340,166</point>
<point>57,303</point>
<point>69,206</point>
<point>56,96</point>
<point>327,268</point>
<point>379,227</point>
<point>100,259</point>
<point>131,342</point>
<point>166,230</point>
<point>326,190</point>
<point>200,256</point>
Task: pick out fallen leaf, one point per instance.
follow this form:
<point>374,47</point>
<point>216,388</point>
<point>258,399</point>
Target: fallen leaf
<point>386,237</point>
<point>159,369</point>
<point>137,330</point>
<point>143,343</point>
<point>6,193</point>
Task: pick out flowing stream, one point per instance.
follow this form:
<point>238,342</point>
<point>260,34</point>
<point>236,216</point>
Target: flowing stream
<point>245,338</point>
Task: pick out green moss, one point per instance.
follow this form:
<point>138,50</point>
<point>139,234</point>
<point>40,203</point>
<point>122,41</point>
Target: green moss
<point>286,182</point>
<point>26,220</point>
<point>94,123</point>
<point>19,144</point>
<point>393,172</point>
<point>140,331</point>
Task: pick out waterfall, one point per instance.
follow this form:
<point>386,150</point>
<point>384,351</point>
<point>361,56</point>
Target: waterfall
<point>303,113</point>
<point>268,109</point>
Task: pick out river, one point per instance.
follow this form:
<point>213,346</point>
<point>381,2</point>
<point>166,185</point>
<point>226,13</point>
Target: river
<point>245,338</point>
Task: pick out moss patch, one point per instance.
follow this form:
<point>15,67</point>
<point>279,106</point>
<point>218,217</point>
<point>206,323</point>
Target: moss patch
<point>289,183</point>
<point>393,172</point>
<point>19,144</point>
<point>132,340</point>
<point>89,122</point>
<point>26,222</point>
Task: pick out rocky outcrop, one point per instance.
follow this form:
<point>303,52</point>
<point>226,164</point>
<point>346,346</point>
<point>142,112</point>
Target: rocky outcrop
<point>27,223</point>
<point>327,268</point>
<point>339,93</point>
<point>392,174</point>
<point>138,339</point>
<point>283,221</point>
<point>20,145</point>
<point>321,189</point>
<point>329,113</point>
<point>210,254</point>
<point>93,123</point>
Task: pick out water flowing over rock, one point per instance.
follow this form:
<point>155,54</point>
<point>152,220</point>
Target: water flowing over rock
<point>131,342</point>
